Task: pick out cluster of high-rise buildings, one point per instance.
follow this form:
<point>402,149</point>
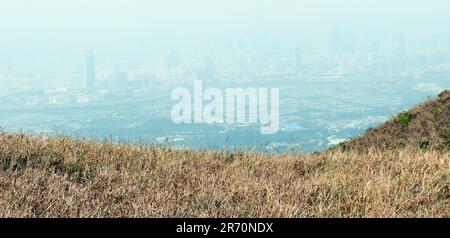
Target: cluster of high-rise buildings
<point>338,54</point>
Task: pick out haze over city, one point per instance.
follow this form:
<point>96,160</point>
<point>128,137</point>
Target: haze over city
<point>106,69</point>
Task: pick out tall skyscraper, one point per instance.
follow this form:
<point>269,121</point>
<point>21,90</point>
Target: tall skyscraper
<point>90,70</point>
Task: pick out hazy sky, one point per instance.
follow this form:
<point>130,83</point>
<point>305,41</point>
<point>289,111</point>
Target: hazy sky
<point>114,23</point>
<point>198,14</point>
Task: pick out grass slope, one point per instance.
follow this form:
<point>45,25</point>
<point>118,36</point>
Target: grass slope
<point>426,126</point>
<point>59,177</point>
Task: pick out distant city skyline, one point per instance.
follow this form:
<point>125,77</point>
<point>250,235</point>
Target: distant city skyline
<point>106,68</point>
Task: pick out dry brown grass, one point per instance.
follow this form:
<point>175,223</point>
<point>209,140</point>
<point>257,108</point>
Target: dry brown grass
<point>57,177</point>
<point>401,169</point>
<point>425,126</point>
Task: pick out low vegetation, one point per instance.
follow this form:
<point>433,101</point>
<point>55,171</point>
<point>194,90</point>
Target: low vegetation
<point>59,177</point>
<point>425,126</point>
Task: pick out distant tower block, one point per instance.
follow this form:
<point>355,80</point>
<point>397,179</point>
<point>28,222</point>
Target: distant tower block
<point>90,70</point>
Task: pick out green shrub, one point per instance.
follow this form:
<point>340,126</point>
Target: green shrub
<point>405,119</point>
<point>424,144</point>
<point>438,112</point>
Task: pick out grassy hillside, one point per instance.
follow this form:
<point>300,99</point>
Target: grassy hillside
<point>426,126</point>
<point>58,177</point>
